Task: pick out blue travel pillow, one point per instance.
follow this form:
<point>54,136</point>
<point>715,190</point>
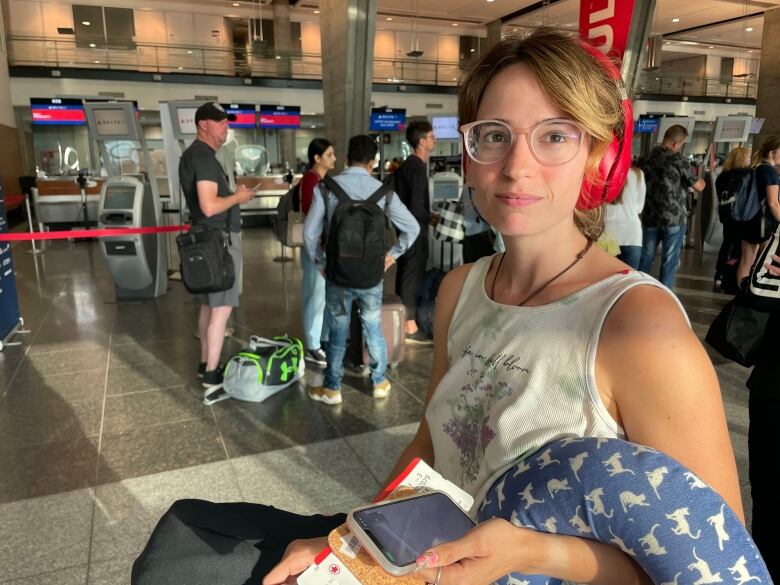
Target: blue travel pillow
<point>632,497</point>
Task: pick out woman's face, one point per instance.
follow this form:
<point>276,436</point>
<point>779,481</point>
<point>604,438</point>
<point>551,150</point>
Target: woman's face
<point>327,159</point>
<point>518,195</point>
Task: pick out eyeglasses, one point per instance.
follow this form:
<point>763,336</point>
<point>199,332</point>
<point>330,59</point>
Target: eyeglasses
<point>552,142</point>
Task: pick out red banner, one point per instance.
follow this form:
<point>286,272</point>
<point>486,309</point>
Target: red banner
<point>605,24</point>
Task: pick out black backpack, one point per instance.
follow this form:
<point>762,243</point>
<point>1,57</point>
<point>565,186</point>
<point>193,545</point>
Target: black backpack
<point>740,200</point>
<point>358,238</point>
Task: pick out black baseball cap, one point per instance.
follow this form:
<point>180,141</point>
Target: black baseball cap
<point>213,111</point>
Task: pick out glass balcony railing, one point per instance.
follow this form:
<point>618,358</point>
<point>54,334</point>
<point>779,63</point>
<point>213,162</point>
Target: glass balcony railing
<point>235,62</point>
<point>656,82</point>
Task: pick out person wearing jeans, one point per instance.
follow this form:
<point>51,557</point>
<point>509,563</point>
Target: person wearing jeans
<point>370,303</point>
<point>671,239</point>
<point>668,177</point>
<point>358,184</point>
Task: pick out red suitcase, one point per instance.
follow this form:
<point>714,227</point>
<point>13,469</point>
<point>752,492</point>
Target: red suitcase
<point>393,328</point>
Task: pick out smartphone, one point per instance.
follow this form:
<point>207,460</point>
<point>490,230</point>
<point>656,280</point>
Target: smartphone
<point>395,533</point>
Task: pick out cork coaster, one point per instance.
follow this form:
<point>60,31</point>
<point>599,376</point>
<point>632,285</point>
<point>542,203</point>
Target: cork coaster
<point>362,565</point>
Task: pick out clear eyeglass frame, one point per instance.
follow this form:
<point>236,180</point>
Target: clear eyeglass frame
<point>530,134</point>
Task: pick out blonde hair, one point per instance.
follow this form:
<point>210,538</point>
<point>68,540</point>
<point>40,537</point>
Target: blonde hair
<point>738,158</point>
<point>574,80</point>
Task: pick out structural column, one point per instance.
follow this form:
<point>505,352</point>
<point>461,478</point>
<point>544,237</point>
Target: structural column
<point>283,49</point>
<point>493,33</point>
<point>769,77</point>
<point>347,37</point>
<point>10,160</point>
<point>635,45</point>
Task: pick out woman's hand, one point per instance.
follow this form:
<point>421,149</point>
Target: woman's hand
<point>297,558</point>
<point>773,266</point>
<point>488,552</point>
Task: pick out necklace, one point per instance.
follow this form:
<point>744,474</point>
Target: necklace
<point>579,257</point>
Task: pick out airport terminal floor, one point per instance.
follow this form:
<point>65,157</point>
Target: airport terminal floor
<point>102,425</point>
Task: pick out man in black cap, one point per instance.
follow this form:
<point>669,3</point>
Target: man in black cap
<point>210,201</point>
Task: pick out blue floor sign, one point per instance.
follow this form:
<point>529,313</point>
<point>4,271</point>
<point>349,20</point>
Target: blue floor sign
<point>9,302</point>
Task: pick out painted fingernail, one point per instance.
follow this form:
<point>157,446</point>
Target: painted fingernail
<point>428,558</point>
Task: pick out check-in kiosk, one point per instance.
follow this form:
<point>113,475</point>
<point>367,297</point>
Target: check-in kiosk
<point>138,263</point>
<point>444,186</point>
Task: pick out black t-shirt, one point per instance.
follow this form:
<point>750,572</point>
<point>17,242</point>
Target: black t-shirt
<point>410,182</point>
<point>199,163</point>
<point>766,176</point>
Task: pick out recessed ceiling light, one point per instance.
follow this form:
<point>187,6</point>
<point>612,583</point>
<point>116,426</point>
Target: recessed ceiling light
<point>749,29</point>
<point>180,68</point>
<point>711,47</point>
<point>472,50</point>
<point>316,12</point>
<point>236,4</point>
<point>278,56</point>
<point>750,51</point>
<point>189,52</point>
<point>97,61</point>
<point>675,20</point>
<point>93,45</point>
<point>389,18</point>
<point>454,24</point>
<point>86,22</point>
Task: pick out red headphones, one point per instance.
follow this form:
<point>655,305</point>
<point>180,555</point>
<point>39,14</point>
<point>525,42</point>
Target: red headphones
<point>616,161</point>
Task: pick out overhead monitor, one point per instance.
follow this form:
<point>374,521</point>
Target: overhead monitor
<point>280,117</point>
<point>647,124</point>
<point>445,127</point>
<point>57,112</point>
<point>113,121</point>
<point>388,119</point>
<point>246,115</point>
<point>756,125</point>
<point>732,128</point>
<point>668,121</point>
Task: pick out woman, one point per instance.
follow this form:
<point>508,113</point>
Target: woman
<point>736,166</point>
<point>622,217</point>
<point>754,232</point>
<point>322,159</point>
<point>584,355</point>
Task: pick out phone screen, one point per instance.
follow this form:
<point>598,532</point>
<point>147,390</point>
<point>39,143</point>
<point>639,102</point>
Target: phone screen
<point>405,529</point>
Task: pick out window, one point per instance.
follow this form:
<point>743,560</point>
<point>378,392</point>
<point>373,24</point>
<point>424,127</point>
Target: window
<point>98,27</point>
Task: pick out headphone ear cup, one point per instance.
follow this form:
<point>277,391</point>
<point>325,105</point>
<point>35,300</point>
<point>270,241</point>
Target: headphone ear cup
<point>616,161</point>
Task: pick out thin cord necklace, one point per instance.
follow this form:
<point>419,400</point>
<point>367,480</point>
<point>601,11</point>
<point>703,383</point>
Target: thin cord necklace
<point>579,257</point>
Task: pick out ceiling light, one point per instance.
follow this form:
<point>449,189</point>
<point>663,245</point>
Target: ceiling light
<point>86,22</point>
<point>180,68</point>
<point>490,0</point>
<point>236,4</point>
<point>97,62</point>
<point>675,20</point>
<point>454,24</point>
<point>278,56</point>
<point>749,29</point>
<point>93,45</point>
<point>189,52</point>
<point>389,18</point>
<point>750,51</point>
<point>472,50</point>
<point>711,47</point>
<point>316,12</point>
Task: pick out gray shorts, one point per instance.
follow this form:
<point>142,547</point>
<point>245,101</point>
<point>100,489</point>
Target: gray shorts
<point>229,297</point>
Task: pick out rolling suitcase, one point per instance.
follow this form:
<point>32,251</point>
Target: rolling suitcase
<point>393,328</point>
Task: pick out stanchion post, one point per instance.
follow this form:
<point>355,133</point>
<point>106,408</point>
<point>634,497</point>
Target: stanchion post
<point>33,250</point>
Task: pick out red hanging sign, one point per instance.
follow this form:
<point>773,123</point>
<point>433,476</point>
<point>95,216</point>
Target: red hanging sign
<point>605,24</point>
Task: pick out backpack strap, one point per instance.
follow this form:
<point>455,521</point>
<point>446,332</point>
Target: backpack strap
<point>336,189</point>
<point>376,197</point>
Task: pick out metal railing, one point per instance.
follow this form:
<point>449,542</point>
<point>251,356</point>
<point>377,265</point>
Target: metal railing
<point>656,82</point>
<point>232,62</point>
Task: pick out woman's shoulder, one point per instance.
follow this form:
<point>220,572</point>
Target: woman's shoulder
<point>646,310</point>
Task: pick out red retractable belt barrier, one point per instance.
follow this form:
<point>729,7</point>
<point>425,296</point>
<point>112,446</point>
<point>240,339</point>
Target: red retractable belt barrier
<point>97,233</point>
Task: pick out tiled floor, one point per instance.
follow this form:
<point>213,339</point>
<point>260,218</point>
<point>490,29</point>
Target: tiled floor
<point>102,428</point>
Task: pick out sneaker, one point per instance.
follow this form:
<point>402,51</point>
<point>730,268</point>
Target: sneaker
<point>418,338</point>
<point>326,395</point>
<point>316,356</point>
<point>212,378</point>
<point>382,389</point>
<point>361,370</point>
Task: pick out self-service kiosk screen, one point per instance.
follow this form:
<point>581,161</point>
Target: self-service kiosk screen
<point>446,189</point>
<point>119,197</point>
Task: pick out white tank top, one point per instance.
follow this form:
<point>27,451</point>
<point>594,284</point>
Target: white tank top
<point>519,377</point>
